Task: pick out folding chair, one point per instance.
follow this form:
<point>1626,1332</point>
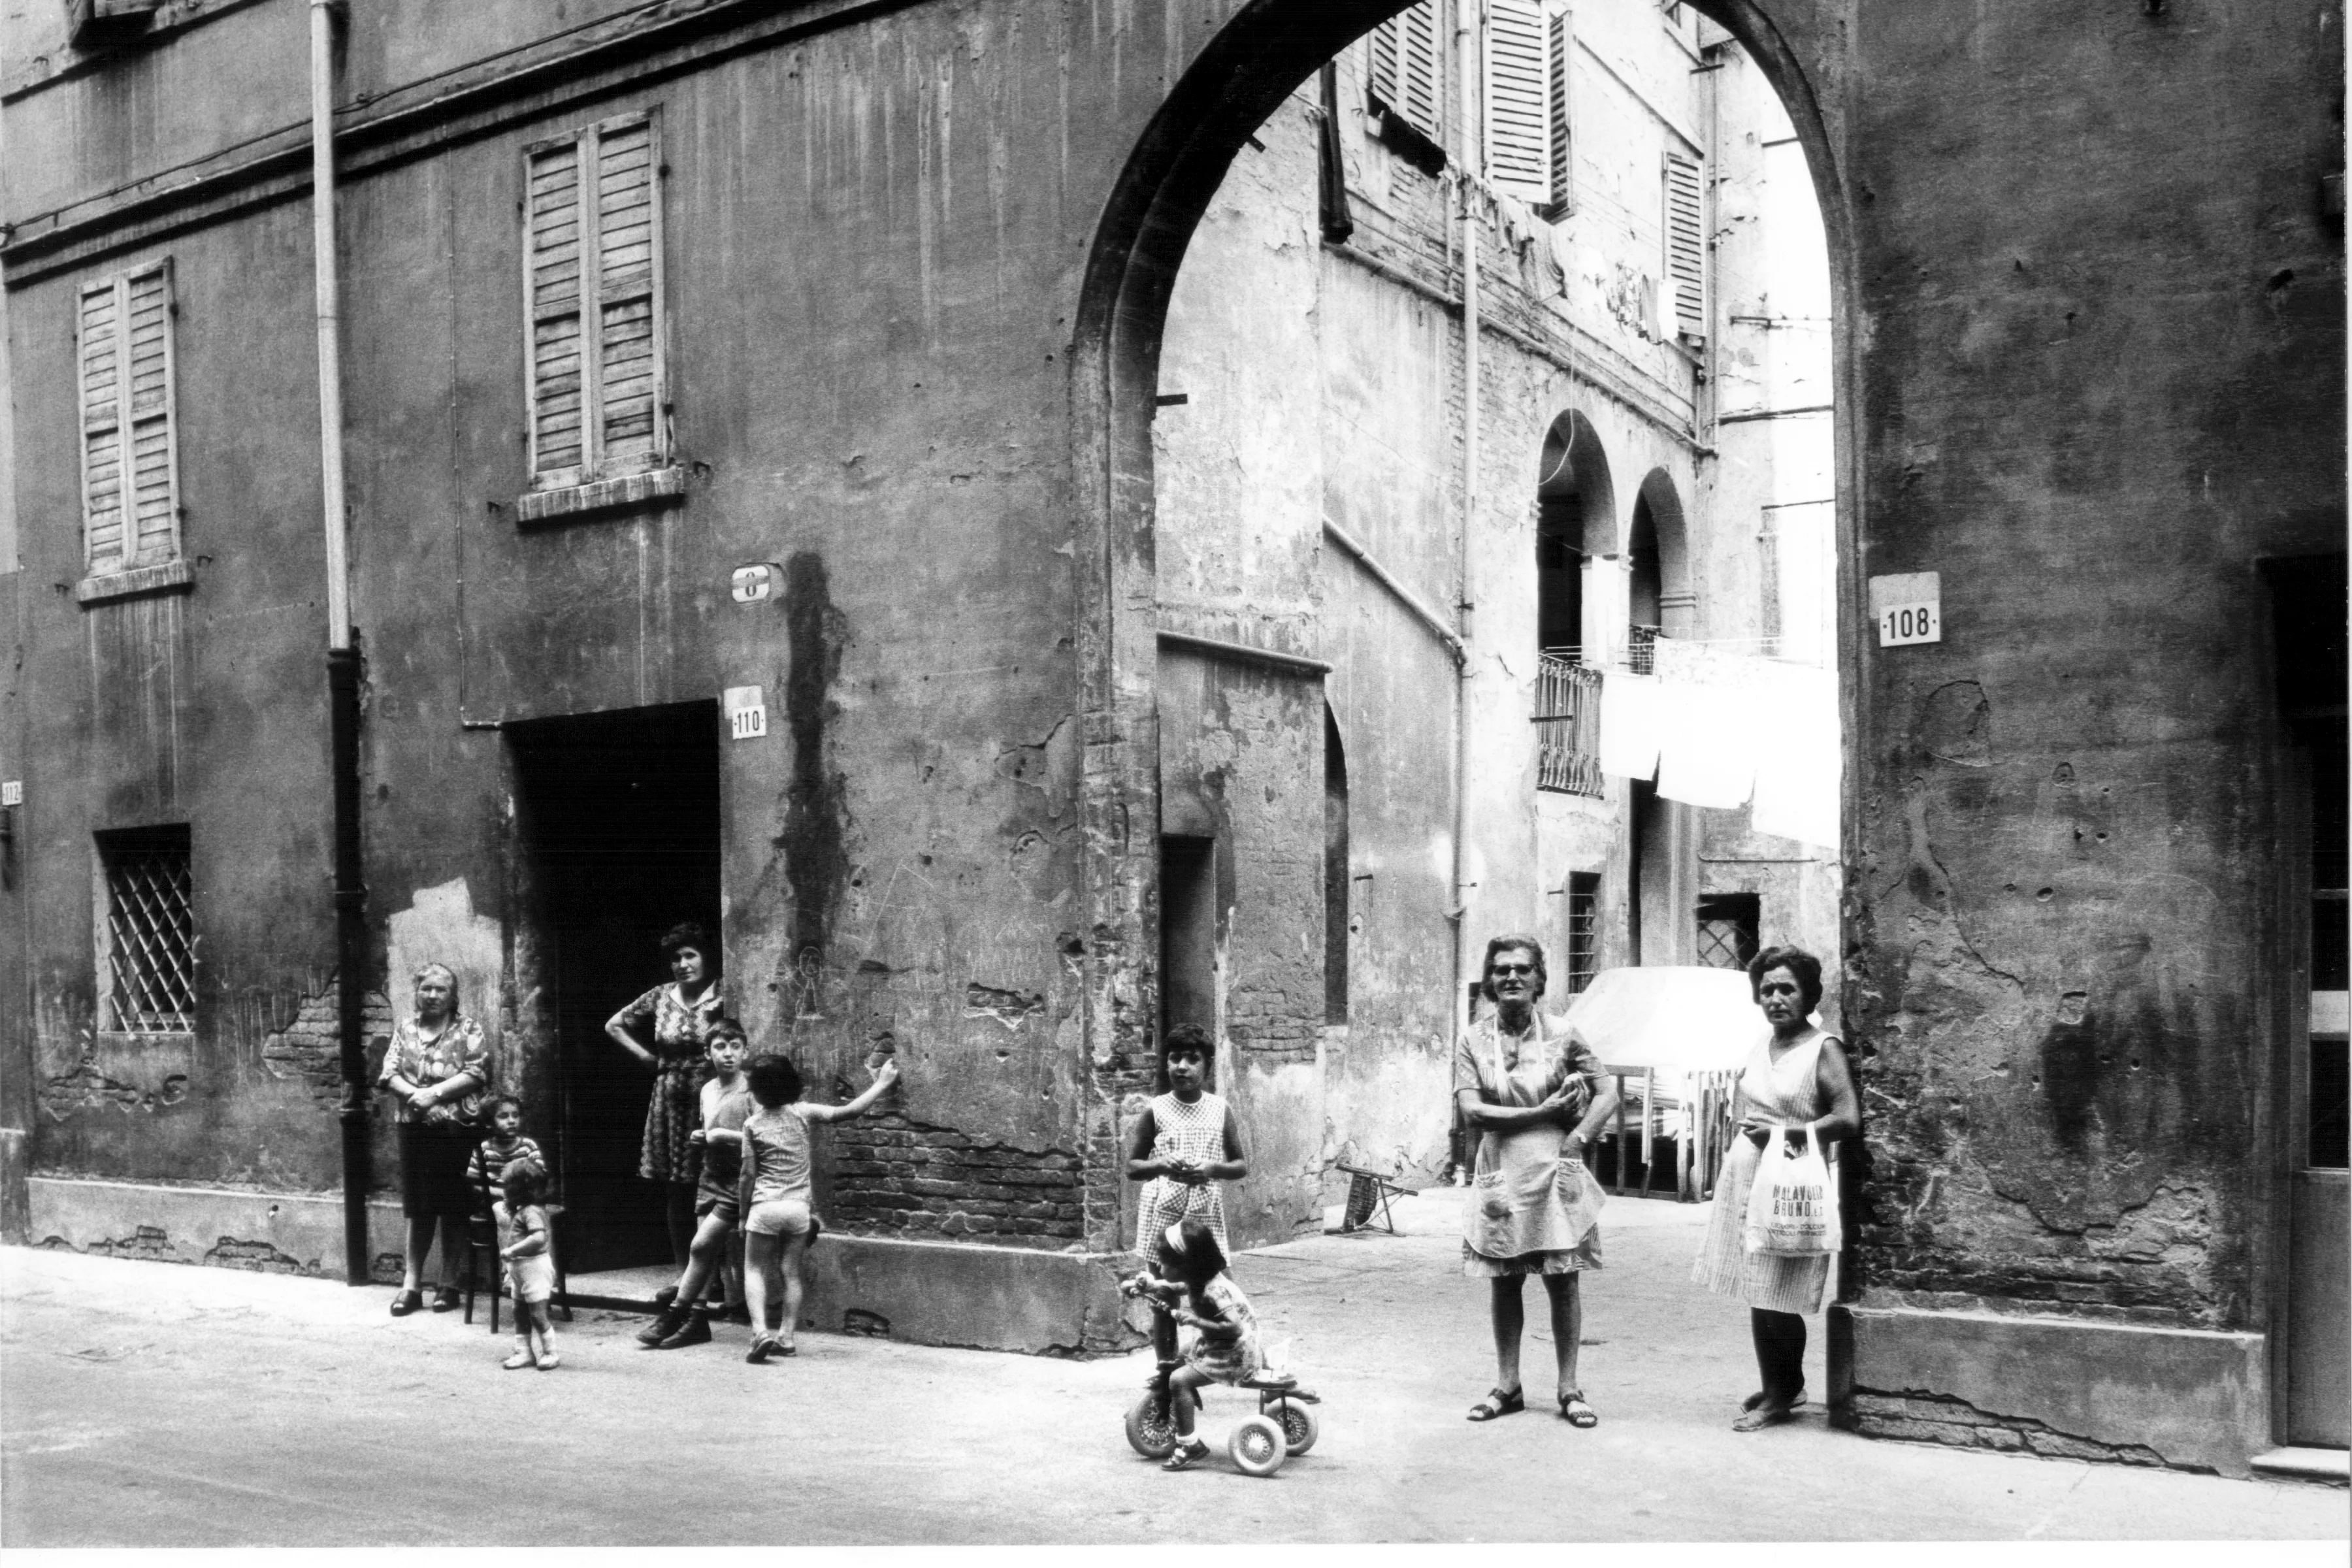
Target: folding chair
<point>1368,1194</point>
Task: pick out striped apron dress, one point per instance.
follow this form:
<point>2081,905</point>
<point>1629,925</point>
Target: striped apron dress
<point>1786,1092</point>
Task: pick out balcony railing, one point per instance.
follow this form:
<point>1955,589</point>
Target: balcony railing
<point>1640,646</point>
<point>1568,727</point>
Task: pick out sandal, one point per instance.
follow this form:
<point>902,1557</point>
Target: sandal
<point>1498,1404</point>
<point>1576,1413</point>
<point>1763,1415</point>
<point>1187,1454</point>
<point>446,1299</point>
<point>407,1302</point>
<point>1756,1400</point>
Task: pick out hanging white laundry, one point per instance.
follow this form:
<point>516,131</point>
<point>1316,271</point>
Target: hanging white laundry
<point>1707,756</point>
<point>1798,776</point>
<point>1629,724</point>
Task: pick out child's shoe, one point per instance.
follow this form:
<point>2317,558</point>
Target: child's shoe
<point>1187,1454</point>
<point>673,1318</point>
<point>519,1361</point>
<point>696,1331</point>
<point>550,1362</point>
<point>762,1347</point>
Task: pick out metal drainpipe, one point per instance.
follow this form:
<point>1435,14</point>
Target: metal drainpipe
<point>1469,19</point>
<point>342,655</point>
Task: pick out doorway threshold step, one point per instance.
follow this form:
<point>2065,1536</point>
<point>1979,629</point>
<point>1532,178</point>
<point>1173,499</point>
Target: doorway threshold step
<point>2306,1464</point>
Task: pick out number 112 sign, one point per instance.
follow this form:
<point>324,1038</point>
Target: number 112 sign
<point>1908,608</point>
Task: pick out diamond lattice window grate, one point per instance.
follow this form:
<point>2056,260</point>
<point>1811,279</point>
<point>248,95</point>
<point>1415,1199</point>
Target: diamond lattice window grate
<point>1724,945</point>
<point>150,941</point>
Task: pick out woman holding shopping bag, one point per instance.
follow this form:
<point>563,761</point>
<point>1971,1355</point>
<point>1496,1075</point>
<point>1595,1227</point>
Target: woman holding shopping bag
<point>1796,1096</point>
<point>1532,1096</point>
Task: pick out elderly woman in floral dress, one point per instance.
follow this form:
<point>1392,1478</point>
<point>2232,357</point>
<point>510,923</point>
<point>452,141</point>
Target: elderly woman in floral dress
<point>676,1020</point>
<point>438,1066</point>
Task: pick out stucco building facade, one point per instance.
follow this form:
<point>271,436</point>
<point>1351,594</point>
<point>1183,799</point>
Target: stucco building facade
<point>874,298</point>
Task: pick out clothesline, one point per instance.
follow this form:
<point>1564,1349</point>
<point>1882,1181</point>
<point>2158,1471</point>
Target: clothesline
<point>1725,730</point>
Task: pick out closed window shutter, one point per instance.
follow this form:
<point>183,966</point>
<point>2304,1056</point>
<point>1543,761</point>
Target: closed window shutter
<point>129,466</point>
<point>1560,197</point>
<point>155,511</point>
<point>557,383</point>
<point>1685,246</point>
<point>624,292</point>
<point>1519,124</point>
<point>594,281</point>
<point>101,428</point>
<point>1404,67</point>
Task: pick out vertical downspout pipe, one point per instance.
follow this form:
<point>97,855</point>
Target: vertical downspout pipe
<point>342,655</point>
<point>1469,16</point>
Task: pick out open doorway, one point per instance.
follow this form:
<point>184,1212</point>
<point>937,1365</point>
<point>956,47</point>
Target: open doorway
<point>620,833</point>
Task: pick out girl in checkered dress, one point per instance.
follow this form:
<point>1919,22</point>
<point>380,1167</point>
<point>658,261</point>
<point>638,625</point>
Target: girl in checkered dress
<point>1183,1144</point>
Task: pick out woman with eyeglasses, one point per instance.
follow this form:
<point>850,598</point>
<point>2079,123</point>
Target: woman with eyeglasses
<point>1533,1095</point>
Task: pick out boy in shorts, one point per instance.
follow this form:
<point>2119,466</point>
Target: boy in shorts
<point>778,1223</point>
<point>726,1101</point>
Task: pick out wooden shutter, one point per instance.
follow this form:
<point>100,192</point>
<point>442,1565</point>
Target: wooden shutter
<point>557,382</point>
<point>1407,61</point>
<point>129,460</point>
<point>1518,123</point>
<point>1685,246</point>
<point>1559,42</point>
<point>593,262</point>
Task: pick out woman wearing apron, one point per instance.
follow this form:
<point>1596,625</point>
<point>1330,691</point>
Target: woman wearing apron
<point>1797,1077</point>
<point>1521,1082</point>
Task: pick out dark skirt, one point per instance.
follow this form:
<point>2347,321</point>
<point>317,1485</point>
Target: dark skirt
<point>433,1170</point>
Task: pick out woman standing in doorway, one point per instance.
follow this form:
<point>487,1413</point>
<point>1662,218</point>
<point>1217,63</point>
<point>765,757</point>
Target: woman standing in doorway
<point>678,1019</point>
<point>1797,1077</point>
<point>438,1065</point>
<point>1533,1096</point>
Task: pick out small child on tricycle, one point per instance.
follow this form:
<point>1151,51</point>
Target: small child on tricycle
<point>1198,1294</point>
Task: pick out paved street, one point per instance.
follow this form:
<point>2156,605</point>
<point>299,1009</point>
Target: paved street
<point>142,1405</point>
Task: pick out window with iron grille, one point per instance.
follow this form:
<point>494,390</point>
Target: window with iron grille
<point>146,931</point>
<point>1583,928</point>
<point>1728,924</point>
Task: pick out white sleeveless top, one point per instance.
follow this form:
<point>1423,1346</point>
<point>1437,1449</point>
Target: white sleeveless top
<point>1789,1090</point>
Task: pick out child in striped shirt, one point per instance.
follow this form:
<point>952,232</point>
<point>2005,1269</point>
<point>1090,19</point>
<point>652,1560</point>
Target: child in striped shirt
<point>493,1154</point>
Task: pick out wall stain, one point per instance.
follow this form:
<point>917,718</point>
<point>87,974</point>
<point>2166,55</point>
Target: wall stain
<point>816,809</point>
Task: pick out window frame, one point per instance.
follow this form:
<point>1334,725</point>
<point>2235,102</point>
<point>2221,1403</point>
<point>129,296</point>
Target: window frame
<point>109,852</point>
<point>129,557</point>
<point>588,303</point>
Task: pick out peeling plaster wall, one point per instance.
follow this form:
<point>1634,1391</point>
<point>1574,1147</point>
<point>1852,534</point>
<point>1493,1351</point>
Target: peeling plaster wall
<point>2092,403</point>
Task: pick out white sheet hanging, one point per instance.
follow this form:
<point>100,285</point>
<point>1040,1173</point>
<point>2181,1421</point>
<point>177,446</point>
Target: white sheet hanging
<point>1629,724</point>
<point>1797,778</point>
<point>1709,753</point>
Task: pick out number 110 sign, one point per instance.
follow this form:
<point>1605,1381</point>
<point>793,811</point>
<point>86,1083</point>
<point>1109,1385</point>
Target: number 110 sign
<point>1908,608</point>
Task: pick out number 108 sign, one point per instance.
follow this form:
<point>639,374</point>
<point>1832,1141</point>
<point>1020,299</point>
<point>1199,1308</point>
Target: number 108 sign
<point>1900,624</point>
<point>1908,607</point>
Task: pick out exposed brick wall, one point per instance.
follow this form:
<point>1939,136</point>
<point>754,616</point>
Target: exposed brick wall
<point>308,1047</point>
<point>894,1176</point>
